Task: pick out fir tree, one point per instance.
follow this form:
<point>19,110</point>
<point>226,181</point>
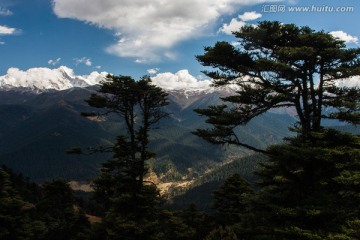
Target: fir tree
<point>130,204</point>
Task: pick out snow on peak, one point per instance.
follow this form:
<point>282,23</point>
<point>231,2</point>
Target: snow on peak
<point>42,79</point>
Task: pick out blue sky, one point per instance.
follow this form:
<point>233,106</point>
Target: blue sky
<point>134,37</point>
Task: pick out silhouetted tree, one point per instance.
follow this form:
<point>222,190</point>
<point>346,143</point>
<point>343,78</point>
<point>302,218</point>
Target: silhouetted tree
<point>130,203</point>
<point>139,105</point>
<point>280,65</point>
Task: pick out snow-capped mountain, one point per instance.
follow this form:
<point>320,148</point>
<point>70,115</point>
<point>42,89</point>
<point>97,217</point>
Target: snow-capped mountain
<point>43,79</point>
<point>40,80</point>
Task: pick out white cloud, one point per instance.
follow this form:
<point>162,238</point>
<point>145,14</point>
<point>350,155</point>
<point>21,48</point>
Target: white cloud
<point>5,11</point>
<point>83,60</point>
<point>98,67</point>
<point>153,70</point>
<point>146,29</point>
<point>140,61</point>
<point>233,26</point>
<point>4,30</point>
<point>182,80</point>
<point>237,23</point>
<point>2,43</point>
<point>347,38</point>
<point>54,62</point>
<point>250,16</point>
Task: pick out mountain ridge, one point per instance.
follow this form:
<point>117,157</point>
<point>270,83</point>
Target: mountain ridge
<point>39,80</point>
<point>37,129</point>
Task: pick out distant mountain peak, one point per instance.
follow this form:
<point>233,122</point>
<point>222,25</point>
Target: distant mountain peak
<point>44,79</point>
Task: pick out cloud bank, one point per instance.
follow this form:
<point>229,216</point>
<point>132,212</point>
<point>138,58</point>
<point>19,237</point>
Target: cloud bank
<point>148,30</point>
<point>347,38</point>
<point>181,80</point>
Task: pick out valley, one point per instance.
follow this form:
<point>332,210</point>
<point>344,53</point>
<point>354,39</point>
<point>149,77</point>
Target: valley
<point>37,129</point>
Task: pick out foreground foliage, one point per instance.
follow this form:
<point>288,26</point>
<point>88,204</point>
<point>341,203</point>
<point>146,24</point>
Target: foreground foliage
<point>29,211</point>
<point>307,190</point>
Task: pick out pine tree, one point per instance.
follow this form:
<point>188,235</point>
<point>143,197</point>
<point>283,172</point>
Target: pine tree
<point>280,65</point>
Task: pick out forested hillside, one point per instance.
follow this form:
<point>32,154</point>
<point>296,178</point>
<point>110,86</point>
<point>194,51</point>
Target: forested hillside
<point>37,130</point>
